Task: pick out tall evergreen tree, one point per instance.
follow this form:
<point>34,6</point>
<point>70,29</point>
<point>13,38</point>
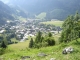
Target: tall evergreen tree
<point>31,43</point>
<point>67,28</point>
<point>3,45</point>
<point>38,37</point>
<point>71,28</point>
<point>76,26</point>
<point>6,41</point>
<point>49,34</point>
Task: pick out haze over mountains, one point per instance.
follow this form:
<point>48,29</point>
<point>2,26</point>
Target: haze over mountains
<point>9,13</point>
<point>5,12</point>
<point>54,9</point>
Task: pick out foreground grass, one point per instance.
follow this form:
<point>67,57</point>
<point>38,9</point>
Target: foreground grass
<point>20,45</point>
<point>56,23</point>
<point>52,52</point>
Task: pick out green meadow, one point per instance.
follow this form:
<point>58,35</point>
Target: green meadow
<point>41,15</point>
<point>15,51</point>
<point>56,23</point>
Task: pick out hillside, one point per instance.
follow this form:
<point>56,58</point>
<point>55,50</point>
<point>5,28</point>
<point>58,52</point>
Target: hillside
<point>52,52</point>
<point>5,13</point>
<point>10,13</point>
<point>54,9</point>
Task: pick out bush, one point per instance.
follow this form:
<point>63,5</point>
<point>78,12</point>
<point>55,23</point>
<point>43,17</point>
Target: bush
<point>63,45</point>
<point>60,40</point>
<point>50,41</point>
<point>44,44</point>
<point>2,51</point>
<point>37,45</point>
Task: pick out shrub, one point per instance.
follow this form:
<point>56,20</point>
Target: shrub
<point>44,44</point>
<point>50,41</point>
<point>63,45</point>
<point>2,51</point>
<point>49,34</point>
<point>37,45</point>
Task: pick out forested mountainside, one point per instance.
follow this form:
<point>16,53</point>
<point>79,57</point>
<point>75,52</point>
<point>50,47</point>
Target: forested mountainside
<point>55,9</point>
<point>5,13</point>
<point>9,13</point>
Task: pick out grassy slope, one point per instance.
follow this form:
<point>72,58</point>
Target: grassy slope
<point>53,52</point>
<point>22,19</point>
<point>41,15</point>
<point>21,45</point>
<point>56,23</point>
<point>15,51</point>
<point>14,40</point>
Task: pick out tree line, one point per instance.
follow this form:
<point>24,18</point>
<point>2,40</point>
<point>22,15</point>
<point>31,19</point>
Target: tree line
<point>42,41</point>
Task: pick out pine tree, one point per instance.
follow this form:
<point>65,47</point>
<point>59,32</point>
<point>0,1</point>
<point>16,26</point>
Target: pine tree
<point>31,43</point>
<point>3,45</point>
<point>49,34</point>
<point>6,41</point>
<point>76,26</point>
<point>71,29</point>
<point>38,37</point>
<point>67,28</point>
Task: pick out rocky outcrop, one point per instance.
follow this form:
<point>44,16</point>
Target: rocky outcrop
<point>67,50</point>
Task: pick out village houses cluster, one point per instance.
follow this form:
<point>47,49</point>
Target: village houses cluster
<point>25,29</point>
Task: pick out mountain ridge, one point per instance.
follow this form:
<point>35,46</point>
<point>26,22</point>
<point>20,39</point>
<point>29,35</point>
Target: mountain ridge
<point>9,13</point>
<point>54,9</point>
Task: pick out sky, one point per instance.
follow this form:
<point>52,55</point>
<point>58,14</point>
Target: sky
<point>5,1</point>
<point>28,2</point>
